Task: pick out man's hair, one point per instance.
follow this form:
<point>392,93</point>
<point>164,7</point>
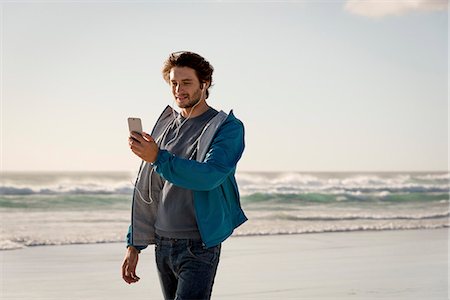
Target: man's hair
<point>202,67</point>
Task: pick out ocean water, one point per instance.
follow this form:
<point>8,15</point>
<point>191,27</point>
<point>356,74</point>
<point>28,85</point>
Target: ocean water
<point>77,208</point>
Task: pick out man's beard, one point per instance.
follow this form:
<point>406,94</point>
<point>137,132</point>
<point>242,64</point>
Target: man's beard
<point>195,99</point>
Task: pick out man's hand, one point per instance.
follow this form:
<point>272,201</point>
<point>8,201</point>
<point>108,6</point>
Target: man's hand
<point>143,146</point>
<point>129,265</point>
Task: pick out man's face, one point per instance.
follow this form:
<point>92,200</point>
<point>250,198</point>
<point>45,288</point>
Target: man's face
<point>185,86</point>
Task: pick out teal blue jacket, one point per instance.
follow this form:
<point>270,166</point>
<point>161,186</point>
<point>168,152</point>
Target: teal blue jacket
<point>211,177</point>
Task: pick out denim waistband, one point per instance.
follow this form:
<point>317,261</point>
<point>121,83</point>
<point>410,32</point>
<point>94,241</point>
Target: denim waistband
<point>168,240</point>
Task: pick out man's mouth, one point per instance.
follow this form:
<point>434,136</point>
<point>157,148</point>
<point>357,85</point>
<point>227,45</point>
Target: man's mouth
<point>182,97</point>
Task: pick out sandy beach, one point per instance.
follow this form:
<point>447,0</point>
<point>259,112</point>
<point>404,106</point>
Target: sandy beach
<point>407,264</point>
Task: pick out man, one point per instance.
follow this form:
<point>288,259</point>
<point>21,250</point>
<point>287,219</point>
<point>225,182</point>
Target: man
<point>186,199</point>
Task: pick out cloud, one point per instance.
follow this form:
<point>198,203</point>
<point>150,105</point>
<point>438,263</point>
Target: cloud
<point>382,8</point>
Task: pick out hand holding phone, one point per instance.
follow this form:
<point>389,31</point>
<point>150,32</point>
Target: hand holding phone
<point>146,147</point>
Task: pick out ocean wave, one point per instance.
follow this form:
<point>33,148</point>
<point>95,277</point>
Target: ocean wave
<point>259,198</point>
<point>353,217</point>
<point>332,229</point>
<point>21,243</point>
<point>65,190</point>
<point>249,183</point>
<point>245,191</point>
<point>347,182</point>
<point>357,190</point>
<point>65,202</point>
<point>444,176</point>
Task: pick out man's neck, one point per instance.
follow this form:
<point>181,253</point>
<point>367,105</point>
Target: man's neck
<point>198,110</point>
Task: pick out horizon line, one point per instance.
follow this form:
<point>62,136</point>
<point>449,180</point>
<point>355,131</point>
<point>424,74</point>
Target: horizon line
<point>243,171</point>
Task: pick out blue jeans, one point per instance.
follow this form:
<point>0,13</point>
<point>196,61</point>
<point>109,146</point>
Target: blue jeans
<point>186,269</point>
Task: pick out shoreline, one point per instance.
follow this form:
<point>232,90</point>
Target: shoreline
<point>395,264</point>
<point>235,236</point>
<point>239,236</point>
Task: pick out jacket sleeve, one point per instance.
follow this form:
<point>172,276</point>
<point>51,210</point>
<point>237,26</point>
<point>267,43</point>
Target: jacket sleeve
<point>129,243</point>
<point>225,151</point>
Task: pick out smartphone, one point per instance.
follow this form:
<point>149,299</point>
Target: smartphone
<point>135,125</point>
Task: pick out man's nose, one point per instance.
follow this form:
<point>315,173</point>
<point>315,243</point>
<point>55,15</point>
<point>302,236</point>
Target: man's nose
<point>178,88</point>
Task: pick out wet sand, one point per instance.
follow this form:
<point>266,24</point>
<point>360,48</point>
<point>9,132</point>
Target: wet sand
<point>407,264</point>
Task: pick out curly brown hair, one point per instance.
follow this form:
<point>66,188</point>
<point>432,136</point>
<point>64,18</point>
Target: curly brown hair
<point>203,69</point>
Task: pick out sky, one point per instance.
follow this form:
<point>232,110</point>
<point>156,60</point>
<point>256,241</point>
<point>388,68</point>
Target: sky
<point>340,85</point>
